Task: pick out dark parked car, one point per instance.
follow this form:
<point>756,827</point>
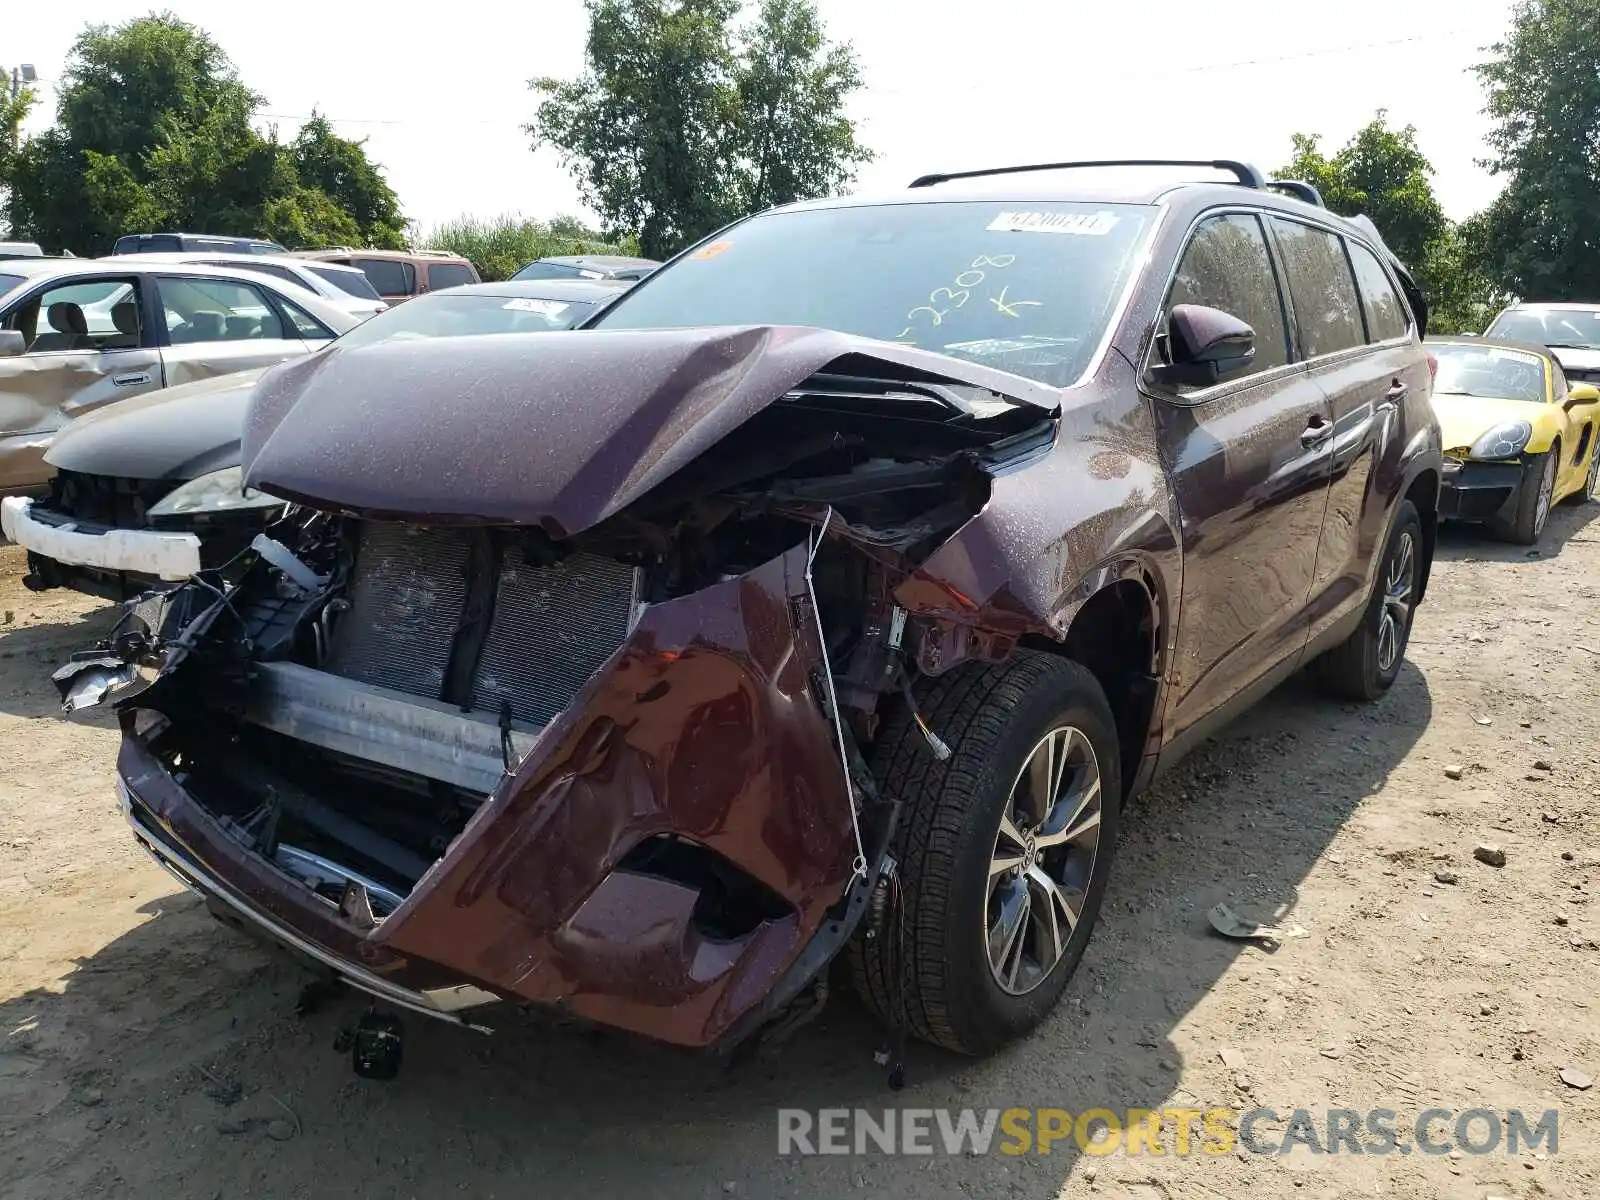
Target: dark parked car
<point>588,266</point>
<point>210,243</point>
<point>641,670</point>
<point>149,486</point>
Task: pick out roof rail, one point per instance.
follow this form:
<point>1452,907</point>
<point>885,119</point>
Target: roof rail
<point>1246,174</point>
<point>1299,190</point>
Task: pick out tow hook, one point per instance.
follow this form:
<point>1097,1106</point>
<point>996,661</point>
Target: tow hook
<point>376,1045</point>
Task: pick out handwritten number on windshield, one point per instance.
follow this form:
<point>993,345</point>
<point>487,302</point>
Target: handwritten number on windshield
<point>956,297</point>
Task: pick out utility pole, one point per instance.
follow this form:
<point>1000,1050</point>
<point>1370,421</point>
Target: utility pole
<point>21,75</point>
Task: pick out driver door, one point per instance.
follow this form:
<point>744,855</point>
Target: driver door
<point>106,353</point>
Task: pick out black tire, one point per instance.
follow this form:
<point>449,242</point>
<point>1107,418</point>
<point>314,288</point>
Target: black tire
<point>1355,669</point>
<point>991,717</point>
<point>1526,524</point>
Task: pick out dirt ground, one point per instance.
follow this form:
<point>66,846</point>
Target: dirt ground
<point>146,1051</point>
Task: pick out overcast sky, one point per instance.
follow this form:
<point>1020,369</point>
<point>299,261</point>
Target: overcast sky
<point>440,91</point>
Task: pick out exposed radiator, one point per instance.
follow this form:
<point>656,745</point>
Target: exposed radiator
<point>553,626</point>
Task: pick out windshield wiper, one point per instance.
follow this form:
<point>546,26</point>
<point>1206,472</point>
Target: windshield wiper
<point>1570,346</point>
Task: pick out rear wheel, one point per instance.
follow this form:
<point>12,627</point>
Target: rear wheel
<point>1004,850</point>
<point>1526,524</point>
<point>1592,480</point>
<point>1366,664</point>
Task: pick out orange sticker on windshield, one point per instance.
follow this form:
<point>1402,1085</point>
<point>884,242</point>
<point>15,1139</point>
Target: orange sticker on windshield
<point>711,251</point>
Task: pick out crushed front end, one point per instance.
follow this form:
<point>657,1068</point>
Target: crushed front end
<point>620,772</point>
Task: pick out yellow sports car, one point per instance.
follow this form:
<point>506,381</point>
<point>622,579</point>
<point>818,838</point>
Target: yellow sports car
<point>1517,438</point>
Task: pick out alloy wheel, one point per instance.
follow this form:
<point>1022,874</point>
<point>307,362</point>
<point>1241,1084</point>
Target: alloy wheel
<point>1398,581</point>
<point>1547,487</point>
<point>1594,473</point>
<point>1043,858</point>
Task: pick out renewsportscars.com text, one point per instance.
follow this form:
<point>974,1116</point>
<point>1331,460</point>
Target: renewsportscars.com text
<point>1161,1131</point>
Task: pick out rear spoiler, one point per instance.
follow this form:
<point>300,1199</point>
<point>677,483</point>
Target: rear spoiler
<point>1408,284</point>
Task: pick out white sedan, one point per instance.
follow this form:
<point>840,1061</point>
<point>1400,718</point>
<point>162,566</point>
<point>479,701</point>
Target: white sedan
<point>343,287</point>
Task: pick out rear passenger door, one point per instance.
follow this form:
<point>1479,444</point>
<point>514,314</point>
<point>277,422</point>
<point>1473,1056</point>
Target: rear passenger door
<point>1248,461</point>
<point>217,326</point>
<point>1360,348</point>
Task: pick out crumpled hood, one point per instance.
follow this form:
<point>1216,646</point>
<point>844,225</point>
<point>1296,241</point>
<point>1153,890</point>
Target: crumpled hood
<point>176,433</point>
<point>559,430</point>
<point>1464,419</point>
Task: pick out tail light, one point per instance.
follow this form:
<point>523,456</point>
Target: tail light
<point>1433,367</point>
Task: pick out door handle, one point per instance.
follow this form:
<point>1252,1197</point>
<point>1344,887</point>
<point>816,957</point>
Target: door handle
<point>133,380</point>
<point>1319,431</point>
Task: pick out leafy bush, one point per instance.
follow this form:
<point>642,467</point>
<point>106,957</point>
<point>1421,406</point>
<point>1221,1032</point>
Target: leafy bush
<point>501,246</point>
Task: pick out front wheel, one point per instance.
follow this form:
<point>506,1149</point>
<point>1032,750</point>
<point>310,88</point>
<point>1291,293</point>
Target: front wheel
<point>1526,523</point>
<point>1365,665</point>
<point>1004,850</point>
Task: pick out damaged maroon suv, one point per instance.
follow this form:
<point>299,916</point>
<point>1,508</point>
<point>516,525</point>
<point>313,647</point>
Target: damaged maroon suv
<point>829,594</point>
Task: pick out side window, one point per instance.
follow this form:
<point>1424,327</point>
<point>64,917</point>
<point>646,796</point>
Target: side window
<point>305,325</point>
<point>216,310</point>
<point>1386,313</point>
<point>1326,308</point>
<point>1226,266</point>
<point>446,275</point>
<point>1558,380</point>
<point>101,314</point>
<point>390,276</point>
<point>241,263</point>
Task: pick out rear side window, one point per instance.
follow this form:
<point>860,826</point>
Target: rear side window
<point>445,275</point>
<point>352,282</point>
<point>1386,314</point>
<point>1226,266</point>
<point>242,263</point>
<point>216,310</point>
<point>389,276</point>
<point>1326,307</point>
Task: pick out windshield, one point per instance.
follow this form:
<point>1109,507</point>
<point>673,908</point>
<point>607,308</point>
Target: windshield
<point>1488,371</point>
<point>7,282</point>
<point>351,281</point>
<point>446,315</point>
<point>1024,290</point>
<point>1578,328</point>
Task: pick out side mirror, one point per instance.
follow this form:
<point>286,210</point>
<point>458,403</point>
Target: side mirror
<point>1206,344</point>
<point>1581,393</point>
<point>12,343</point>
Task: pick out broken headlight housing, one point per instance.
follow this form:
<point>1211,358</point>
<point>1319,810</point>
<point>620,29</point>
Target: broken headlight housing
<point>1506,440</point>
<point>220,491</point>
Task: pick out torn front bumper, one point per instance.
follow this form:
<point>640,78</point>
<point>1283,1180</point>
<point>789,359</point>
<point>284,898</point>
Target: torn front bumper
<point>150,554</point>
<point>703,727</point>
<point>1479,491</point>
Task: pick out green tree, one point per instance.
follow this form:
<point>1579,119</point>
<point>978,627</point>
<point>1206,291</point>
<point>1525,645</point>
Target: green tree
<point>340,171</point>
<point>153,131</point>
<point>1382,173</point>
<point>794,140</point>
<point>680,123</point>
<point>13,111</point>
<point>1543,232</point>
